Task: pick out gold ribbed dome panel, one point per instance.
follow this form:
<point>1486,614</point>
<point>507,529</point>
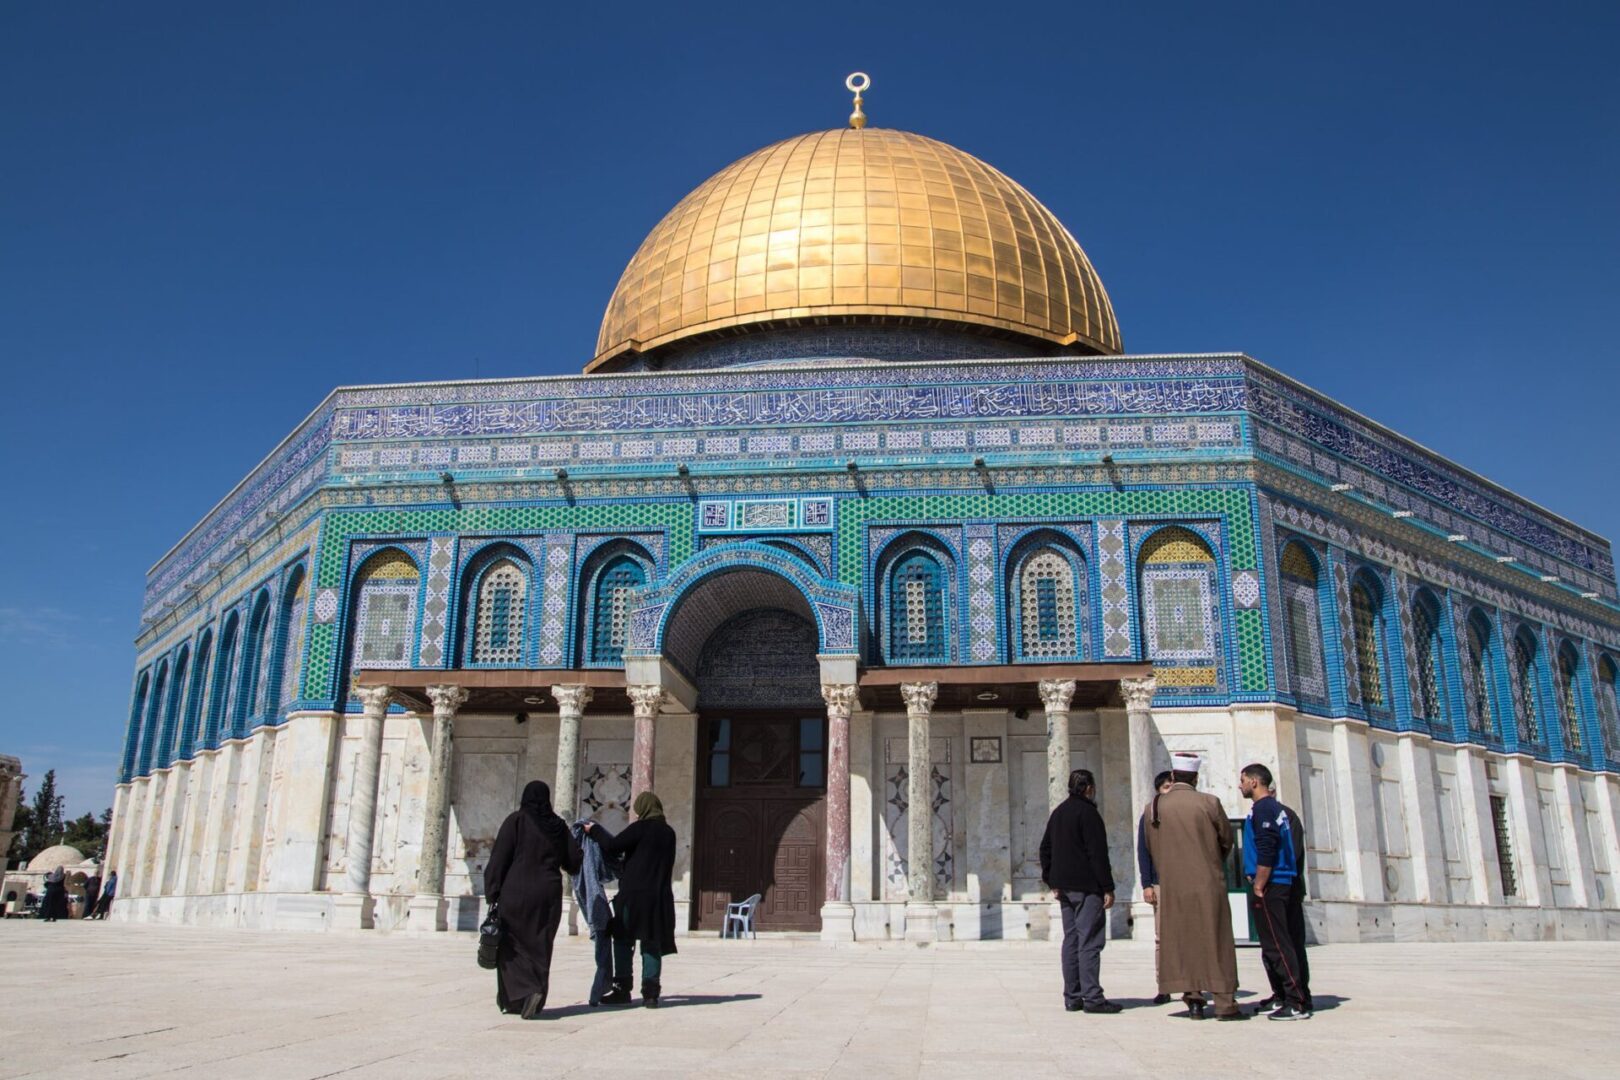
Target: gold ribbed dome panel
<point>858,222</point>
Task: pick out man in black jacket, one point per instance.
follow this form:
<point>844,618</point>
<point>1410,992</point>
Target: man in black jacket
<point>1074,865</point>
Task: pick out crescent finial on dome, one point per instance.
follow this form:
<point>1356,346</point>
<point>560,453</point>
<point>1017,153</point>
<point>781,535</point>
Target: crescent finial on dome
<point>857,83</point>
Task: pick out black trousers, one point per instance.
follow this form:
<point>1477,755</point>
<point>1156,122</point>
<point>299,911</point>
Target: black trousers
<point>1281,951</point>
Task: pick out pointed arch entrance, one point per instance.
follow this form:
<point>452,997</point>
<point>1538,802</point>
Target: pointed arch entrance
<point>747,630</point>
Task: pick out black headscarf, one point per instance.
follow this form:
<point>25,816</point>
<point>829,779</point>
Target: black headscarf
<point>537,807</point>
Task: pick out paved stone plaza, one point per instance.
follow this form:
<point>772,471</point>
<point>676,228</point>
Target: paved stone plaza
<point>113,1000</point>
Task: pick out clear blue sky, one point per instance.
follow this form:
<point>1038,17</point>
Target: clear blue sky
<point>211,214</point>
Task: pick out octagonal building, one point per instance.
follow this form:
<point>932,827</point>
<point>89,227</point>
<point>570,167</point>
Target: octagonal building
<point>862,507</point>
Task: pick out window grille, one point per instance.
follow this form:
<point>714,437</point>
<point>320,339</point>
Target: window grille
<point>1047,594</point>
<point>1483,719</point>
<point>386,619</point>
<point>1302,624</point>
<point>612,616</point>
<point>1608,707</point>
<point>916,609</point>
<point>498,632</point>
<point>292,649</point>
<point>1426,632</point>
<point>1569,704</point>
<point>1524,659</point>
<point>1365,621</point>
<point>1504,846</point>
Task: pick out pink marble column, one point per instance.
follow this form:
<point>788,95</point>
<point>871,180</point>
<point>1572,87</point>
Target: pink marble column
<point>644,702</point>
<point>840,700</point>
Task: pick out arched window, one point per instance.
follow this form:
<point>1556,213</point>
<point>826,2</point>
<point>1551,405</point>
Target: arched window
<point>1430,701</point>
<point>498,621</point>
<point>132,740</point>
<point>1482,710</point>
<point>917,609</point>
<point>171,715</point>
<point>610,608</point>
<point>1367,625</point>
<point>219,696</point>
<point>1608,701</point>
<point>1048,603</point>
<point>1302,623</point>
<point>154,714</point>
<point>247,695</point>
<point>1569,707</point>
<point>384,627</point>
<point>1526,675</point>
<point>283,690</point>
<point>1178,610</point>
<point>194,695</point>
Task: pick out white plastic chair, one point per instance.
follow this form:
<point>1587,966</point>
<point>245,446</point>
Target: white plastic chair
<point>740,918</point>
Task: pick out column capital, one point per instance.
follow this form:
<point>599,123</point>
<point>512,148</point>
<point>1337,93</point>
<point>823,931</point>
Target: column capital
<point>447,697</point>
<point>645,701</point>
<point>1056,694</point>
<point>572,697</point>
<point>1138,693</point>
<point>374,699</point>
<point>841,698</point>
<point>919,696</point>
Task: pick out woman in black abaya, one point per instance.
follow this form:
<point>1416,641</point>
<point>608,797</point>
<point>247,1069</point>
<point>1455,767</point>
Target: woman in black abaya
<point>524,877</point>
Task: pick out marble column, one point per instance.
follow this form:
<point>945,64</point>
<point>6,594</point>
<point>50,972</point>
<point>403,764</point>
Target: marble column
<point>644,703</point>
<point>427,907</point>
<point>922,917</point>
<point>1056,694</point>
<point>837,914</point>
<point>1138,695</point>
<point>571,702</point>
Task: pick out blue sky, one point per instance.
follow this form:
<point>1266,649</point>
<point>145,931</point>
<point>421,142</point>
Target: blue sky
<point>212,214</point>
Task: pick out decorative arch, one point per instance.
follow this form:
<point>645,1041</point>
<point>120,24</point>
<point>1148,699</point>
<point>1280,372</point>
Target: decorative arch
<point>831,605</point>
<point>497,587</point>
<point>1526,672</point>
<point>1569,697</point>
<point>224,667</point>
<point>171,716</point>
<point>1046,597</point>
<point>1607,685</point>
<point>149,734</point>
<point>1180,616</point>
<point>195,695</point>
<point>289,643</point>
<point>916,578</point>
<point>1301,579</point>
<point>613,575</point>
<point>132,739</point>
<point>247,693</point>
<point>382,623</point>
<point>1484,711</point>
<point>1429,682</point>
<point>1370,634</point>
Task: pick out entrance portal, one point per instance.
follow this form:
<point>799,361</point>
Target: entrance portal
<point>762,772</point>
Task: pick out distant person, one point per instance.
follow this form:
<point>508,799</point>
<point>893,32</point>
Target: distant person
<point>1150,875</point>
<point>1271,862</point>
<point>109,892</point>
<point>92,895</point>
<point>644,910</point>
<point>524,877</point>
<point>55,904</point>
<point>1189,839</point>
<point>1074,865</point>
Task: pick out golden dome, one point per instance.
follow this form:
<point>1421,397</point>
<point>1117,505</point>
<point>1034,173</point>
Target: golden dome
<point>868,222</point>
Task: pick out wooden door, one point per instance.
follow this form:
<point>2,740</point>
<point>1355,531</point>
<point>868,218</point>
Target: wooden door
<point>761,821</point>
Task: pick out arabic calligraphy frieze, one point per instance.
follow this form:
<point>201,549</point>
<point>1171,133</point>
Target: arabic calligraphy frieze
<point>772,408</point>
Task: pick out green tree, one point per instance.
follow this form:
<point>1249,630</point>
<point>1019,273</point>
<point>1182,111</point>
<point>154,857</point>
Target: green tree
<point>88,833</point>
<point>44,819</point>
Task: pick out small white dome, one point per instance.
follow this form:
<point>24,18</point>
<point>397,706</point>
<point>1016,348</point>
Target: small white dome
<point>52,857</point>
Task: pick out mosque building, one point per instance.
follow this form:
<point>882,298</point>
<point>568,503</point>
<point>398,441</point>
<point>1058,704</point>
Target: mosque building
<point>859,531</point>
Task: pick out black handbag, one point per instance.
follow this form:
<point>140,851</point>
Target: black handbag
<point>489,938</point>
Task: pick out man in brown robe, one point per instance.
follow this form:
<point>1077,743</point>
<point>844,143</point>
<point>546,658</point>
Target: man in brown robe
<point>1189,838</point>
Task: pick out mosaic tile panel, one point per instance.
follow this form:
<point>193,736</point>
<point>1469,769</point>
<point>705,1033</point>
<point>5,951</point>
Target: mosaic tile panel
<point>1114,591</point>
<point>1347,632</point>
<point>436,601</point>
<point>553,645</point>
<point>983,645</point>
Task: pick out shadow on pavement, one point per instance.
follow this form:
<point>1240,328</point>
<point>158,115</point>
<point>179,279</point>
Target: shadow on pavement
<point>668,1001</point>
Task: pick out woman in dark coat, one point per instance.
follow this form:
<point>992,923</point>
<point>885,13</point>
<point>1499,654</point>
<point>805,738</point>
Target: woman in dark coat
<point>55,904</point>
<point>524,877</point>
<point>644,910</point>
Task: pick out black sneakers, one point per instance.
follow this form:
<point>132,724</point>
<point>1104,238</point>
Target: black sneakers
<point>1103,1007</point>
<point>1288,1012</point>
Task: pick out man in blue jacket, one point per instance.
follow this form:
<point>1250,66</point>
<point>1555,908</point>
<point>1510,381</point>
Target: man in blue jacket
<point>1270,859</point>
<point>1074,865</point>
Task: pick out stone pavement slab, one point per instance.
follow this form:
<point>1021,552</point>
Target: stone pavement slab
<point>113,1000</point>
